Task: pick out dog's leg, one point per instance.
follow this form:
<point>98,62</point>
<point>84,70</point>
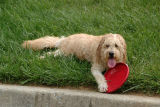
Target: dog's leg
<point>97,73</point>
<point>55,53</point>
<point>58,53</point>
<point>46,54</point>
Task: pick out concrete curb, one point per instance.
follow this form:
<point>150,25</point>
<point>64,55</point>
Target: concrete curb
<point>26,96</point>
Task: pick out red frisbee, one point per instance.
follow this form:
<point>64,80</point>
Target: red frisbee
<point>116,76</point>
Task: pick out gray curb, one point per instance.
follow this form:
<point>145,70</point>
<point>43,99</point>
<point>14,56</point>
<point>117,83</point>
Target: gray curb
<point>26,96</point>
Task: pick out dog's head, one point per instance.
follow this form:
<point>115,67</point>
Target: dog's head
<point>111,50</point>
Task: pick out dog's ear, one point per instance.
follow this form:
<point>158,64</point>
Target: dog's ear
<point>123,43</point>
<point>124,55</point>
<point>124,52</point>
<point>98,51</point>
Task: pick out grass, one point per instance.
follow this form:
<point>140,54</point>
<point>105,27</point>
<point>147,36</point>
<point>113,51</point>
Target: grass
<point>137,20</point>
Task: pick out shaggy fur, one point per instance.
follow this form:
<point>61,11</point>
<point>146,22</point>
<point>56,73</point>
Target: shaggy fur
<point>94,49</point>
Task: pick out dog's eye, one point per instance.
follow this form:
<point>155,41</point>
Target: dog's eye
<point>116,45</point>
<point>107,46</point>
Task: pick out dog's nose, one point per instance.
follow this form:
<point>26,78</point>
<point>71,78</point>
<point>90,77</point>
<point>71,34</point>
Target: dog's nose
<point>111,54</point>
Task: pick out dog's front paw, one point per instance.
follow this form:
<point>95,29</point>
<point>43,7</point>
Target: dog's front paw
<point>102,87</point>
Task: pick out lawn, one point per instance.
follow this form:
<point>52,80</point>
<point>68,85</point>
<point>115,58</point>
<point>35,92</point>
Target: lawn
<point>137,20</point>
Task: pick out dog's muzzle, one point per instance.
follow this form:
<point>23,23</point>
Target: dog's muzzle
<point>111,54</point>
<point>111,60</point>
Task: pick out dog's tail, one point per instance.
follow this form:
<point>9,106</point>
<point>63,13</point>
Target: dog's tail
<point>41,43</point>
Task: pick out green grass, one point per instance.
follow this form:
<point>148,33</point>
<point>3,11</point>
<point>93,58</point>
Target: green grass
<point>137,20</point>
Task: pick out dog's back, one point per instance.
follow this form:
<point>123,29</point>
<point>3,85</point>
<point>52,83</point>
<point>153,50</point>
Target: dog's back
<point>82,45</point>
